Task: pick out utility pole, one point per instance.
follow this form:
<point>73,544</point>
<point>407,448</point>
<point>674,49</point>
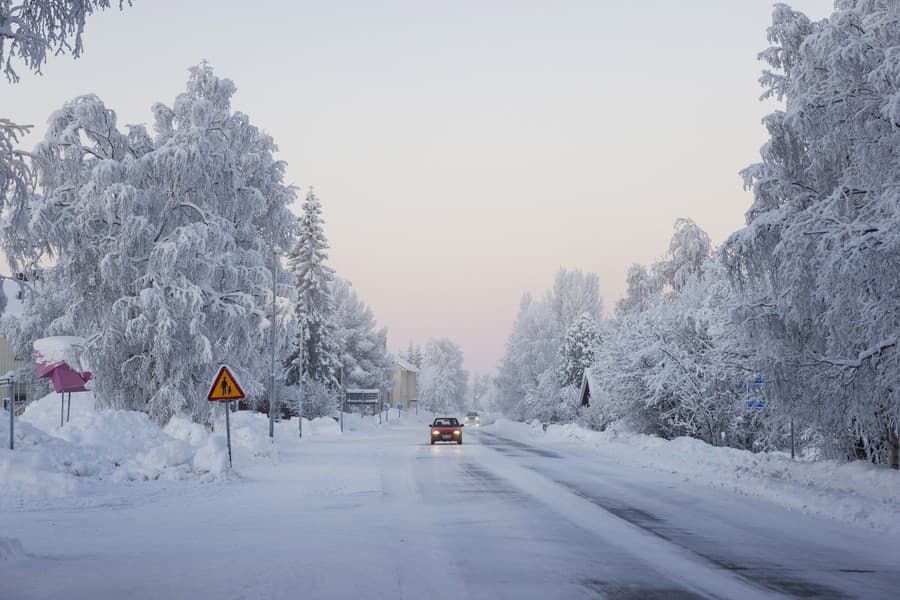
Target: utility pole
<point>342,392</point>
<point>300,393</point>
<point>272,389</point>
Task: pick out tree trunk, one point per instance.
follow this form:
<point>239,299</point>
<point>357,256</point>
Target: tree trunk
<point>893,440</point>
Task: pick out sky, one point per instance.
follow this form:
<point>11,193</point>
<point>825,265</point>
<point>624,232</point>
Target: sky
<point>463,151</point>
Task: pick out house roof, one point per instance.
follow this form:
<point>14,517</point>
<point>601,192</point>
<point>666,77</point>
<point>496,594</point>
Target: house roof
<point>587,383</point>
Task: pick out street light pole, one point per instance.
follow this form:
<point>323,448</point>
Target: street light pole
<point>300,393</point>
<point>272,389</point>
<point>342,392</point>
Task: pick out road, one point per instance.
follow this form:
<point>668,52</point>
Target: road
<point>382,514</point>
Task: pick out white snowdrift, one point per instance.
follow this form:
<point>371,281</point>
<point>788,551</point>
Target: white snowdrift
<point>50,461</point>
<point>859,493</point>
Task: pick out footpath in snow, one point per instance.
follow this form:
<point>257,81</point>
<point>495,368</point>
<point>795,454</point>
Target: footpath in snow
<point>856,493</point>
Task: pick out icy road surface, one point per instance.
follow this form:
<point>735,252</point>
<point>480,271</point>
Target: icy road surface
<point>382,514</point>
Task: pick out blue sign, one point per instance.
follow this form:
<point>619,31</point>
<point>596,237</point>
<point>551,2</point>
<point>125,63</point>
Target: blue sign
<point>754,388</point>
<point>399,407</point>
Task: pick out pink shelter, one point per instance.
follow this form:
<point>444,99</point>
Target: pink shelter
<point>59,358</point>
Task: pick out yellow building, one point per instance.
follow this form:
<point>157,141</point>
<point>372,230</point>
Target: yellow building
<point>405,388</point>
<point>11,295</point>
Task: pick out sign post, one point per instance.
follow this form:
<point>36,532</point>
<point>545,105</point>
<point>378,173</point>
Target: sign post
<point>793,402</point>
<point>12,413</point>
<point>226,388</point>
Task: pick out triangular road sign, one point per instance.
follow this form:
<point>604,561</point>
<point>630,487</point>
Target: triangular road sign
<point>225,387</point>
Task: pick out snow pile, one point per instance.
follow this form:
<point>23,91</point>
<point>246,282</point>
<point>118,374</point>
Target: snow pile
<point>62,348</point>
<point>321,426</point>
<point>856,492</point>
<point>50,461</point>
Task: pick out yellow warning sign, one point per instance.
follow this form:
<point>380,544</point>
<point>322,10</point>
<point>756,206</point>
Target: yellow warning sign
<point>225,387</point>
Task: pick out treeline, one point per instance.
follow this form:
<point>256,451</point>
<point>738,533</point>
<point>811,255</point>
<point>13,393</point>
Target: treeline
<point>159,247</point>
<point>798,313</point>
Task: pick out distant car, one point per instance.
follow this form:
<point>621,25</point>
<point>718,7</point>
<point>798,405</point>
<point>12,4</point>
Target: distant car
<point>445,429</point>
<point>472,419</point>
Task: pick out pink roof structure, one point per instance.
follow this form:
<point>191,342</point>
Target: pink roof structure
<point>59,358</point>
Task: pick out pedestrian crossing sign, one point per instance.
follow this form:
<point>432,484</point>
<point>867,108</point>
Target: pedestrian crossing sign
<point>225,387</point>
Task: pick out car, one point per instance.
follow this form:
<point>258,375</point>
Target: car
<point>472,419</point>
<point>445,429</point>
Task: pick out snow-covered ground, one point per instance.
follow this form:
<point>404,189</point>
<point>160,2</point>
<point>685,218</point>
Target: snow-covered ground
<point>111,506</point>
<point>857,493</point>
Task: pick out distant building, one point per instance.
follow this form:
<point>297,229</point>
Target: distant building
<point>12,295</point>
<point>405,384</point>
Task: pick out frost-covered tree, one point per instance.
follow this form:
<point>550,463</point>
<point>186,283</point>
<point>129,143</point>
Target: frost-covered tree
<point>367,363</point>
<point>577,350</point>
<point>157,246</point>
<point>531,361</point>
<point>442,380</point>
<point>414,354</point>
<point>574,294</point>
<point>666,365</point>
<point>316,354</point>
<point>643,291</point>
<point>531,350</point>
<point>16,184</point>
<point>31,29</point>
<point>688,250</point>
<point>817,261</point>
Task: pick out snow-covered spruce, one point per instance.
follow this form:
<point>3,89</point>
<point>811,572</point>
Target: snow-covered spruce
<point>314,360</point>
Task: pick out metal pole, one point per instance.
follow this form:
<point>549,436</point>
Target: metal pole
<point>62,408</point>
<point>300,393</point>
<point>342,393</point>
<point>228,429</point>
<point>12,412</point>
<point>69,407</point>
<point>792,430</point>
<point>272,389</point>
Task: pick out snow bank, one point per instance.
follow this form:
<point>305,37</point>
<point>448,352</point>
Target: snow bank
<point>119,446</point>
<point>857,492</point>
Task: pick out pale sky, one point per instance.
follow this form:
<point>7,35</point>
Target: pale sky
<point>463,151</point>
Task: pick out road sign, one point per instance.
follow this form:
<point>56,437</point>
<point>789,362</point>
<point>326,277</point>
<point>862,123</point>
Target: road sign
<point>754,390</point>
<point>357,396</point>
<point>225,387</point>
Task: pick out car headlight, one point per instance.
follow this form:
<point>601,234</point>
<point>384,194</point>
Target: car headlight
<point>435,433</point>
<point>457,432</point>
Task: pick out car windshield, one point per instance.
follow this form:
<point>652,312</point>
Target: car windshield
<point>472,414</point>
<point>445,422</point>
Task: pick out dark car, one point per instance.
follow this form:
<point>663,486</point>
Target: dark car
<point>445,429</point>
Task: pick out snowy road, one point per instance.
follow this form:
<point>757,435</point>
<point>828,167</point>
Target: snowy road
<point>382,514</point>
